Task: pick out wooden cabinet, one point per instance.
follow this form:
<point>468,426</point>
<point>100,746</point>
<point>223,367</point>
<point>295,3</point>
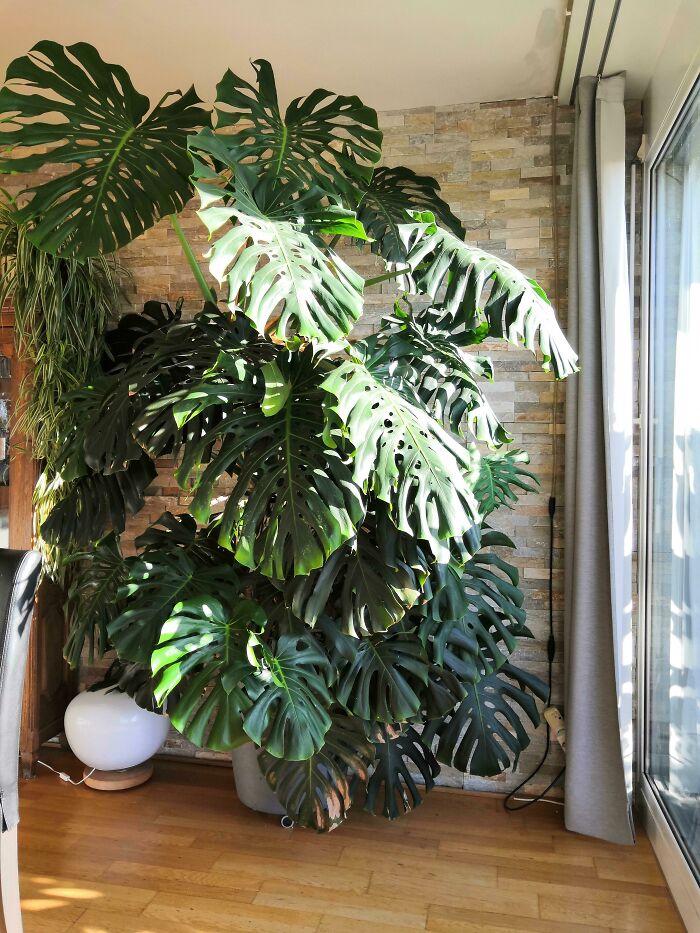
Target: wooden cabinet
<point>50,684</point>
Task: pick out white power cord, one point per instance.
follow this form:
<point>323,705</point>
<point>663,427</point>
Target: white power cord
<point>66,778</point>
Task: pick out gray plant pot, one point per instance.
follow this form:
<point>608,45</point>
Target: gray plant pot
<point>251,787</point>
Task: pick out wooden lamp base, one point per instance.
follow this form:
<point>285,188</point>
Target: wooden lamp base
<point>119,780</point>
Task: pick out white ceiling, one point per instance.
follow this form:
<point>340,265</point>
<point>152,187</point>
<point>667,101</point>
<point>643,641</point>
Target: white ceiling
<point>392,53</point>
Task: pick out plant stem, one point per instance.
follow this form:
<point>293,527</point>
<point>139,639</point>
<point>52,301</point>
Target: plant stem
<point>386,276</point>
<point>207,292</point>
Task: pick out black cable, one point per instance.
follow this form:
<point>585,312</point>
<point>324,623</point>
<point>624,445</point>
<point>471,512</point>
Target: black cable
<point>551,653</point>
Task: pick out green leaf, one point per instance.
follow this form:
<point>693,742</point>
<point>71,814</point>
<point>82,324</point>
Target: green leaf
<point>274,267</point>
<point>157,582</point>
<point>323,139</point>
<point>385,678</point>
<point>277,389</point>
<point>92,598</point>
<point>392,789</point>
<point>202,654</point>
<point>485,734</point>
<point>293,502</point>
<point>357,585</point>
<point>386,202</point>
<point>290,718</point>
<point>317,793</point>
<point>499,476</point>
<point>404,457</point>
<point>109,446</point>
<point>94,503</point>
<point>132,163</point>
<point>515,309</point>
<point>418,355</point>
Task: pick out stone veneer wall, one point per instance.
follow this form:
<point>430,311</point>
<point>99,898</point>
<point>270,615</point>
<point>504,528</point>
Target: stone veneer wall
<point>494,164</point>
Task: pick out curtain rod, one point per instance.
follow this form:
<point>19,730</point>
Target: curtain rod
<point>584,43</point>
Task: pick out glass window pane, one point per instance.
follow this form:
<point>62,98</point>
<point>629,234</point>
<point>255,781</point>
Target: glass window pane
<point>673,723</point>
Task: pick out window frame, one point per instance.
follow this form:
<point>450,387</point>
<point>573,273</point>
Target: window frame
<point>668,845</point>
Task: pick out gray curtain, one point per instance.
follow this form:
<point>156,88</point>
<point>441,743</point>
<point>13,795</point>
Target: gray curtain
<point>598,494</point>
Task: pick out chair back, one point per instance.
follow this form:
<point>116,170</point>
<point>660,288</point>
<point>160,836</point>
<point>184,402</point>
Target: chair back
<point>19,577</point>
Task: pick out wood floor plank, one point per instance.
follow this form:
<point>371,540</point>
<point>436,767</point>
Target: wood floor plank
<point>621,869</point>
<point>465,896</point>
<point>452,920</point>
<point>328,877</point>
<point>183,855</point>
<point>385,907</point>
<point>634,912</point>
<point>210,915</point>
<point>41,893</point>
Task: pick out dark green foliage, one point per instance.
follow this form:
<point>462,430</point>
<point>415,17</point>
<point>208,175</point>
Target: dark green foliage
<point>317,793</point>
<point>130,163</point>
<point>392,789</point>
<point>385,203</point>
<point>334,588</point>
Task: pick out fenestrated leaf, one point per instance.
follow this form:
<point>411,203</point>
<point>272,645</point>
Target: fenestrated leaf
<point>485,734</point>
<point>500,475</point>
<point>323,139</point>
<point>516,308</point>
<point>293,502</point>
<point>91,599</point>
<point>131,168</point>
<point>392,790</point>
<point>133,329</point>
<point>385,204</point>
<point>94,504</point>
<point>317,793</point>
<point>404,457</point>
<point>109,446</point>
<point>417,355</point>
<point>291,716</point>
<point>157,582</point>
<point>385,677</point>
<point>202,654</point>
<point>357,585</point>
<point>273,266</point>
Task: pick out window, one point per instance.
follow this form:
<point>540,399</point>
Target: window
<point>673,609</point>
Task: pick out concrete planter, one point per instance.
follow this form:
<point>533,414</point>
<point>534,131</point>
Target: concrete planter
<point>251,787</point>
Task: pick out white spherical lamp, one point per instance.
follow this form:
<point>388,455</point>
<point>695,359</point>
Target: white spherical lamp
<point>113,737</point>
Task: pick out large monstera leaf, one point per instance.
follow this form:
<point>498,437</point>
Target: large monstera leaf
<point>418,355</point>
<point>202,655</point>
<point>94,504</point>
<point>515,308</point>
<point>91,599</point>
<point>129,163</point>
<point>157,581</point>
<point>324,139</point>
<point>291,716</point>
<point>500,475</point>
<point>392,789</point>
<point>293,502</point>
<point>404,457</point>
<point>369,593</point>
<point>472,621</point>
<point>274,263</point>
<point>384,677</point>
<point>386,201</point>
<point>485,733</point>
<point>317,793</point>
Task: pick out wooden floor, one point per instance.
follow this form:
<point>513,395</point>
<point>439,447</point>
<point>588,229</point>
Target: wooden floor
<point>180,854</point>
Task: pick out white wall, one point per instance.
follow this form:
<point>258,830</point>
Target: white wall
<point>676,69</point>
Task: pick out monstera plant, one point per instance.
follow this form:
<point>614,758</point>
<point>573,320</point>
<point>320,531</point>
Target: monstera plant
<point>334,591</point>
